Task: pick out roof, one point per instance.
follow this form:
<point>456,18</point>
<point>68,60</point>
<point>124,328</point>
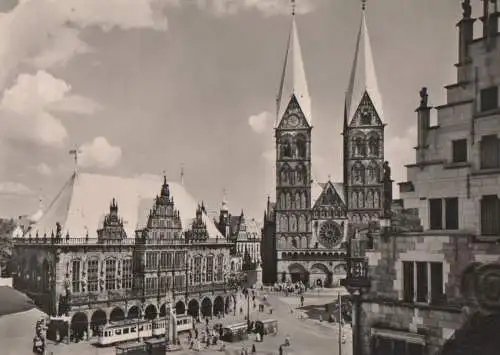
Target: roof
<point>293,78</point>
<point>318,188</point>
<point>363,77</point>
<point>83,202</point>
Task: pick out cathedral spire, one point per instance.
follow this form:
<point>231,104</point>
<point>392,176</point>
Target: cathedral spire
<point>363,78</point>
<point>293,78</point>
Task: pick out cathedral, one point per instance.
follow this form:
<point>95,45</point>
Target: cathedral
<point>305,231</point>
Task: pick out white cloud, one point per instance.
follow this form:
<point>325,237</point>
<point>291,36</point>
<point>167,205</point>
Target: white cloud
<point>100,153</point>
<point>267,7</point>
<point>44,169</point>
<point>261,122</point>
<point>14,188</point>
<point>47,30</point>
<point>26,109</point>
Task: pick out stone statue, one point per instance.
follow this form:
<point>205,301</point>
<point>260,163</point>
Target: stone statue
<point>387,171</point>
<point>423,97</point>
<point>467,9</point>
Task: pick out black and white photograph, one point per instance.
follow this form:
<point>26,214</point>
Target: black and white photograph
<point>237,177</point>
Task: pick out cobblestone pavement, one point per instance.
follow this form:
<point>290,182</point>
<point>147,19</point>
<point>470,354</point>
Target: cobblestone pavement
<point>308,337</point>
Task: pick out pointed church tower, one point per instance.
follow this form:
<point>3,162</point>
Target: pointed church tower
<point>363,135</point>
<point>293,152</point>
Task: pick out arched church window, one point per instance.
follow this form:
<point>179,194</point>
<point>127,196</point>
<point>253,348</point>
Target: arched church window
<point>303,201</point>
<point>294,243</point>
<point>292,177</point>
<point>302,223</point>
<point>284,175</point>
<point>358,172</point>
<point>376,199</point>
<point>287,148</point>
<point>284,224</point>
<point>373,145</point>
<point>282,201</point>
<point>354,199</point>
<point>369,199</point>
<point>293,223</point>
<point>301,147</point>
<point>288,201</point>
<point>297,200</point>
<point>359,146</point>
<point>372,173</point>
<point>361,199</point>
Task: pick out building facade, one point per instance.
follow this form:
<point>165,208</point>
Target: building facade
<point>245,234</point>
<point>129,259</point>
<point>305,230</point>
<point>436,291</point>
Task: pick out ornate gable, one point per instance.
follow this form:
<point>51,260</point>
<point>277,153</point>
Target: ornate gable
<point>329,197</point>
<point>198,230</point>
<point>294,117</point>
<point>112,229</point>
<point>366,114</point>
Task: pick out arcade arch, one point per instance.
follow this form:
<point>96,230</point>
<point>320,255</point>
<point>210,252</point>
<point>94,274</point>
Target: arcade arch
<point>219,305</point>
<point>193,308</point>
<point>206,307</point>
<point>180,308</point>
<point>133,312</point>
<point>116,315</point>
<point>150,312</point>
<point>98,319</point>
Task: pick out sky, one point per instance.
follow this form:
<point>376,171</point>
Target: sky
<point>151,86</point>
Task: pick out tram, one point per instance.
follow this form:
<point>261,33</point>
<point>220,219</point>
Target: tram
<point>132,329</point>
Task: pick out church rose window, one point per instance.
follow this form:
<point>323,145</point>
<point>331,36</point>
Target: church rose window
<point>329,234</point>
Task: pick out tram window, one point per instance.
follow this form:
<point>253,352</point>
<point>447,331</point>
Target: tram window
<point>126,330</point>
<point>132,330</point>
<point>141,328</point>
<point>118,332</point>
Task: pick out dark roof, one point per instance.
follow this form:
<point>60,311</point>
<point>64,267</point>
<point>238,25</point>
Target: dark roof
<point>13,301</point>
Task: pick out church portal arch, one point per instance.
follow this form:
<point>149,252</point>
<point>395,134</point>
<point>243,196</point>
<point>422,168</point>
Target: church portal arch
<point>298,273</point>
<point>320,275</point>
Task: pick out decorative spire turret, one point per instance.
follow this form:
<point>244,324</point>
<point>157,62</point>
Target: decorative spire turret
<point>363,78</point>
<point>165,190</point>
<point>293,78</point>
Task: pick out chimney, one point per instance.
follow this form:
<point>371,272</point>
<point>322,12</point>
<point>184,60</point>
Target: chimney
<point>465,32</point>
<point>423,122</point>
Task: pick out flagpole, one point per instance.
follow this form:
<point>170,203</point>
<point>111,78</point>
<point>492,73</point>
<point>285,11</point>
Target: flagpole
<point>340,324</point>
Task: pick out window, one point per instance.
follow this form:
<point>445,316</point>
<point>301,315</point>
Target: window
<point>127,273</point>
<point>489,152</point>
<point>436,213</point>
<point>489,98</point>
<point>151,260</point>
<point>110,274</point>
<point>220,267</point>
<point>417,285</point>
<point>387,346</point>
<point>210,268</point>
<point>451,212</point>
<point>436,282</point>
<point>490,209</point>
<point>76,276</point>
<point>197,269</point>
<point>459,150</point>
<point>422,282</point>
<point>93,275</point>
<point>451,209</point>
<point>408,282</point>
<point>179,259</point>
<point>179,281</point>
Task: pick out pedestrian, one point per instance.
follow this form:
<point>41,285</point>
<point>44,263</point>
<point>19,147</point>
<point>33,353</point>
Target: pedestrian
<point>253,349</point>
<point>281,349</point>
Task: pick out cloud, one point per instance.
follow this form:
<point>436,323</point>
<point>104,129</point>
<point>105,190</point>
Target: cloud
<point>26,109</point>
<point>261,122</point>
<point>46,31</point>
<point>14,188</point>
<point>100,153</point>
<point>267,7</point>
<point>44,169</point>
